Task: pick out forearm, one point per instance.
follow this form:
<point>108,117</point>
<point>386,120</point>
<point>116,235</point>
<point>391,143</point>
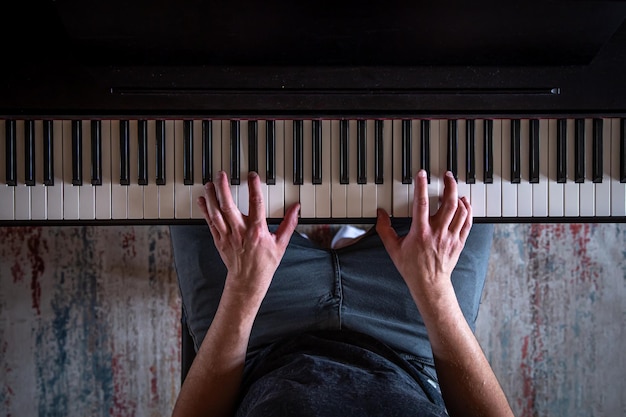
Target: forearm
<point>467,382</point>
<point>214,379</point>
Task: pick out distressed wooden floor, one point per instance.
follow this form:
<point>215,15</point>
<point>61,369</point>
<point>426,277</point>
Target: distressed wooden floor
<point>89,320</point>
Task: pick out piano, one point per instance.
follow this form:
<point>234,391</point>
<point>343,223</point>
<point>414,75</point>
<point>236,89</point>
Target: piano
<point>121,113</point>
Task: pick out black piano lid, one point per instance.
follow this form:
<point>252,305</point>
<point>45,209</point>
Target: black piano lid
<point>282,57</point>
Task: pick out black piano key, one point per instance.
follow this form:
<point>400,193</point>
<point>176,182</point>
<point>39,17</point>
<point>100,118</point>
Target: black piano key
<point>561,151</point>
<point>48,153</point>
<point>379,156</point>
<point>622,151</point>
<point>344,173</point>
<point>253,146</point>
<point>470,154</point>
<point>317,152</point>
<point>407,163</point>
<point>124,153</point>
<point>579,151</point>
<point>77,153</point>
<point>142,152</point>
<point>160,152</point>
<point>488,151</point>
<point>452,153</point>
<point>11,153</point>
<point>188,152</point>
<point>298,152</point>
<point>270,152</point>
<point>29,153</point>
<point>425,148</point>
<point>361,151</point>
<point>235,151</point>
<point>207,151</point>
<point>533,167</point>
<point>516,172</point>
<point>597,167</point>
<point>96,152</point>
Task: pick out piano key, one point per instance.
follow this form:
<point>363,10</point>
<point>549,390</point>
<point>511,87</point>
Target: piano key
<point>188,152</point>
<point>70,191</point>
<point>603,186</point>
<point>38,191</point>
<point>618,185</point>
<point>167,205</point>
<point>579,151</point>
<point>534,151</point>
<point>587,188</point>
<point>322,190</point>
<point>540,134</point>
<point>275,135</point>
<point>96,152</point>
<point>29,153</point>
<point>379,151</point>
<point>407,177</point>
<point>598,154</point>
<point>470,152</point>
<point>452,148</point>
<point>425,147</point>
<point>7,195</point>
<point>55,190</point>
<point>142,152</point>
<point>22,192</point>
<point>197,189</point>
<point>384,190</point>
<point>11,153</point>
<point>86,192</point>
<point>150,188</point>
<point>561,151</point>
<point>515,150</point>
<point>307,189</point>
<point>494,191</point>
<point>477,188</point>
<point>298,152</point>
<point>261,136</point>
<point>353,189</point>
<point>243,197</point>
<point>344,152</point>
<point>400,188</point>
<point>235,151</point>
<point>571,201</point>
<point>438,136</point>
<point>338,188</point>
<point>361,150</point>
<point>415,159</point>
<point>510,157</point>
<point>160,157</point>
<point>182,193</point>
<point>317,152</point>
<point>524,188</point>
<point>369,188</point>
<point>77,153</point>
<point>135,191</point>
<point>124,139</point>
<point>463,187</point>
<point>488,151</point>
<point>292,190</point>
<point>48,152</point>
<point>103,191</point>
<point>253,146</point>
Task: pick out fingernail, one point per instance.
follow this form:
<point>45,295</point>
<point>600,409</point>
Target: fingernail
<point>252,174</point>
<point>220,174</point>
<point>449,174</point>
<point>208,185</point>
<point>421,173</point>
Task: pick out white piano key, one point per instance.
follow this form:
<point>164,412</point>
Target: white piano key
<point>494,190</point>
<point>7,194</point>
<point>276,193</point>
<point>226,142</point>
<point>587,188</point>
<point>103,192</point>
<point>400,190</point>
<point>571,189</point>
<point>197,189</point>
<point>540,190</point>
<point>292,191</point>
<point>415,160</point>
<point>119,193</point>
<point>477,190</point>
<point>555,189</point>
<point>384,191</point>
<point>524,188</point>
<point>322,191</point>
<point>369,189</point>
<point>603,189</point>
<point>39,203</point>
<point>150,190</point>
<point>338,190</point>
<point>166,191</point>
<point>135,191</point>
<point>55,192</point>
<point>618,189</point>
<point>463,188</point>
<point>262,162</point>
<point>435,187</point>
<point>353,189</point>
<point>22,192</point>
<point>307,189</point>
<point>70,192</point>
<point>182,193</point>
<point>86,192</point>
<point>243,197</point>
<point>509,190</point>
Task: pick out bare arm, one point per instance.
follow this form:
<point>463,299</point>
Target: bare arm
<point>425,259</point>
<point>251,255</point>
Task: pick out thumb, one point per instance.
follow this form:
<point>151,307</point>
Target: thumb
<point>386,232</point>
<point>288,225</point>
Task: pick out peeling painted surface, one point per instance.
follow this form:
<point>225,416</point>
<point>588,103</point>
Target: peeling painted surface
<point>89,320</point>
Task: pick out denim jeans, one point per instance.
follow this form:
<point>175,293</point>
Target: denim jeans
<point>356,287</point>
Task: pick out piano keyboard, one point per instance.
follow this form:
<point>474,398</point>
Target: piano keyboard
<point>510,169</point>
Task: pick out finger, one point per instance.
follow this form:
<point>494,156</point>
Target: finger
<point>227,207</point>
<point>459,219</point>
<point>287,226</point>
<point>387,234</point>
<point>450,199</point>
<point>421,213</point>
<point>256,205</point>
<point>211,211</point>
<point>469,220</point>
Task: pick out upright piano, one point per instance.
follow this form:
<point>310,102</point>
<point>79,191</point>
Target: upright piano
<point>112,112</point>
